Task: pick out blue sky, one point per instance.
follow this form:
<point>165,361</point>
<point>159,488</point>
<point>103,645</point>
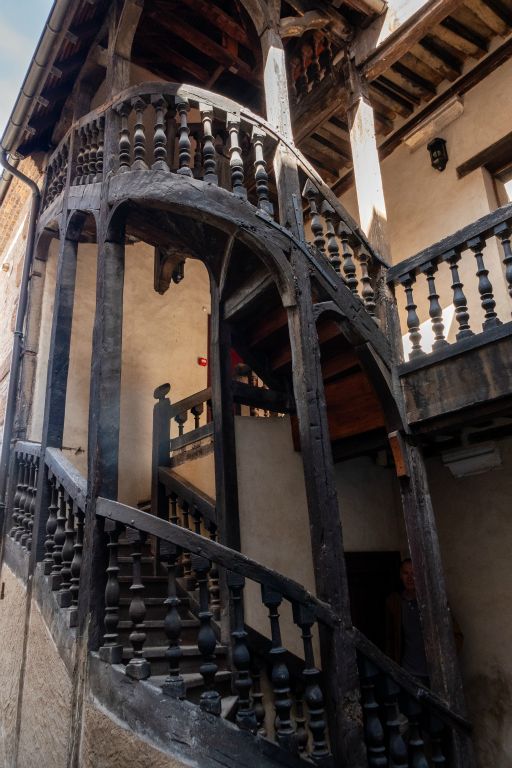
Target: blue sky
<point>21,24</point>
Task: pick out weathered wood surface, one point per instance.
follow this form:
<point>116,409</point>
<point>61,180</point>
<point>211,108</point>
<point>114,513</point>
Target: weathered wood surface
<point>266,399</point>
<point>67,476</point>
<point>26,446</point>
<point>194,436</point>
<point>182,406</point>
<point>375,60</point>
<point>176,484</point>
<point>482,227</point>
<point>475,372</point>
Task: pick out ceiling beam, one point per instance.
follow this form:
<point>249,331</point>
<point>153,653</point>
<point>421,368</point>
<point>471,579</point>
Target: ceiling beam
<point>207,46</point>
<point>338,28</point>
<point>217,18</point>
<point>382,44</point>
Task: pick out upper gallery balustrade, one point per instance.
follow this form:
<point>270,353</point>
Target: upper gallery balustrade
<point>180,129</point>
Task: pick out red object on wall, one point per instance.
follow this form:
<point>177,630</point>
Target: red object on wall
<point>202,361</point>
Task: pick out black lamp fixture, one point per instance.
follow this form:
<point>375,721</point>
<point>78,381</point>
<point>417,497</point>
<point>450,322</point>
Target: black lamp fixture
<point>438,153</point>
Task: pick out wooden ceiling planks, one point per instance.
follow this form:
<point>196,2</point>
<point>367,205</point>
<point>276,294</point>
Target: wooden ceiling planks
<point>445,51</point>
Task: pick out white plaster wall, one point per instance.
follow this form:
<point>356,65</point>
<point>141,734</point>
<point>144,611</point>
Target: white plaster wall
<point>475,531</point>
<point>423,205</point>
<point>162,338</point>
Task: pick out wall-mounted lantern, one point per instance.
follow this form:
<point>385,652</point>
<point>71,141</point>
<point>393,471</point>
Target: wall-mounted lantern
<point>438,153</point>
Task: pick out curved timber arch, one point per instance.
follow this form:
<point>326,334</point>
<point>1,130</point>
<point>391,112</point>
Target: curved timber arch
<point>204,221</point>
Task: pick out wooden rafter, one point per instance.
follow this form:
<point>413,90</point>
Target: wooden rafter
<point>374,61</point>
<point>207,46</point>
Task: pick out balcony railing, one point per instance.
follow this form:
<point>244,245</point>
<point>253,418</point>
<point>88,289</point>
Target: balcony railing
<point>180,129</point>
<point>471,245</point>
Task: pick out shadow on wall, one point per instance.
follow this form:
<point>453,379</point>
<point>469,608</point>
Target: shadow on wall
<point>490,697</point>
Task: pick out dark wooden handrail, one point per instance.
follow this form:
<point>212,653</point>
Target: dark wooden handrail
<point>406,681</point>
<point>227,558</point>
<point>291,590</point>
<point>204,396</point>
<point>67,475</point>
<point>483,227</point>
<point>26,446</point>
<point>189,493</point>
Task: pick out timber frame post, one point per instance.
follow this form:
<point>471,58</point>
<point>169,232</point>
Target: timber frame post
<point>226,484</point>
<point>365,158</point>
<point>416,501</point>
<point>56,382</point>
<point>338,654</point>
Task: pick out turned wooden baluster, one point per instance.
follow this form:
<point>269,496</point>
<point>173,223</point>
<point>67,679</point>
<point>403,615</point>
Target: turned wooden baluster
<point>313,695</point>
<point>197,171</point>
<point>197,411</point>
<point>27,501</point>
<point>373,730</point>
<point>173,514</point>
<point>418,758</point>
<point>100,155</point>
<point>349,268</point>
<point>413,321</point>
<point>174,684</point>
<point>125,144</point>
<point>19,506</point>
<point>325,57</point>
<point>32,511</point>
<point>87,151</point>
<point>64,597</point>
<point>298,77</point>
<point>24,460</point>
<point>367,292</point>
<point>160,136</point>
<point>138,667</point>
<point>51,526</point>
<point>258,699</point>
<point>139,135</point>
<point>181,420</point>
<point>182,107</point>
<point>236,163</point>
<point>503,231</point>
<point>18,468</point>
<point>185,558</point>
<point>59,181</point>
<point>245,717</point>
<point>76,564</point>
<point>196,515</point>
<point>311,194</point>
<point>285,731</point>
<point>210,699</point>
<point>477,245</point>
<point>112,650</point>
<point>435,310</point>
<point>332,244</point>
<point>79,169</point>
<point>315,68</point>
<point>459,299</point>
<point>260,172</point>
<point>397,748</point>
<point>301,734</point>
<point>209,162</point>
<point>436,732</point>
<point>93,151</point>
<point>213,586</point>
<point>58,540</point>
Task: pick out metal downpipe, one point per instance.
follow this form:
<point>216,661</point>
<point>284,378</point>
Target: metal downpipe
<point>17,346</point>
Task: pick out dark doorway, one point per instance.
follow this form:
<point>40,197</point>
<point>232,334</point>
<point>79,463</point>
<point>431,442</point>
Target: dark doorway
<point>372,576</point>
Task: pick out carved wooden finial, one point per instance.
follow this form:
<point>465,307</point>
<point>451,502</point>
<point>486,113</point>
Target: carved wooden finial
<point>162,391</point>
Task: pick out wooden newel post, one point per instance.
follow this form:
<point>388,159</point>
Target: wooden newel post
<point>161,447</point>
